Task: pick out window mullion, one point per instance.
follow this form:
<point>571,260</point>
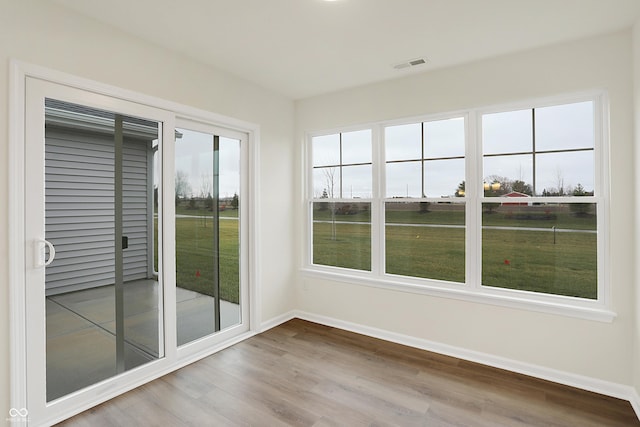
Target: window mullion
<point>473,218</point>
<point>377,207</point>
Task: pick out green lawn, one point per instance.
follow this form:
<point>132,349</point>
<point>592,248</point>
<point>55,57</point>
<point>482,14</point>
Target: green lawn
<point>529,260</point>
<point>429,252</point>
<point>514,259</point>
<point>194,257</point>
<point>348,247</point>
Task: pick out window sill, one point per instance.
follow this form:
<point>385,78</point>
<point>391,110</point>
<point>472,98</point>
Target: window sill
<point>562,306</point>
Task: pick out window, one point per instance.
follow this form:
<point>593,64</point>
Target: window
<point>342,186</point>
<point>425,164</point>
<point>504,203</point>
<point>533,242</point>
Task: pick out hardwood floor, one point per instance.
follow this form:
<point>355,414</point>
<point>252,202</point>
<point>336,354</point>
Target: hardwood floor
<point>305,374</point>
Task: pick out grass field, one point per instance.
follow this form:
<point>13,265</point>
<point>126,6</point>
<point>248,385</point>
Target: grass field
<point>515,258</point>
<point>194,257</point>
<point>529,260</point>
<point>563,263</point>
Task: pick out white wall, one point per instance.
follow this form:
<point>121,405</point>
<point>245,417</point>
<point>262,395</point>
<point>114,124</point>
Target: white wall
<point>589,348</point>
<point>43,34</point>
<point>636,93</point>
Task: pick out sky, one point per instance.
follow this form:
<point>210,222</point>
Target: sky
<point>194,157</point>
<point>505,135</point>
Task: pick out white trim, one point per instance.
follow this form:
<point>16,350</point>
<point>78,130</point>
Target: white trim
<point>17,329</point>
<point>501,297</point>
<point>278,320</point>
<point>90,396</point>
<point>595,385</point>
<point>634,399</point>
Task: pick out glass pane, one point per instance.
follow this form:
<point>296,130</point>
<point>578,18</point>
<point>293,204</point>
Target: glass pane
<point>444,138</point>
<point>426,240</point>
<point>550,248</point>
<point>356,147</point>
<point>506,170</point>
<point>563,127</point>
<point>508,132</point>
<point>403,142</point>
<point>326,150</point>
<point>356,182</point>
<point>207,234</point>
<point>102,291</point>
<point>404,179</point>
<point>560,174</point>
<point>442,177</point>
<point>342,235</point>
<point>326,183</point>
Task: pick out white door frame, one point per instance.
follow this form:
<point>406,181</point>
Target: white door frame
<point>21,258</point>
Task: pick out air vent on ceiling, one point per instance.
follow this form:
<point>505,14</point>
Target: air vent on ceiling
<point>410,63</point>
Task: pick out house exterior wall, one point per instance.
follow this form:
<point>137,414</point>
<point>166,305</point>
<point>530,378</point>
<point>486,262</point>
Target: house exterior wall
<point>45,34</point>
<point>593,349</point>
<point>80,208</point>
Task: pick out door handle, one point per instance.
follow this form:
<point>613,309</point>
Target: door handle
<point>52,252</point>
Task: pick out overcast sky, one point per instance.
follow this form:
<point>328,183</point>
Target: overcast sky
<point>194,157</point>
<point>565,127</point>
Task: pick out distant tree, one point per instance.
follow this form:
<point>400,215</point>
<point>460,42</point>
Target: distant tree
<point>234,201</point>
<point>182,187</point>
<point>581,209</point>
<point>208,202</point>
<point>330,179</point>
<point>521,187</point>
<point>460,191</point>
<point>495,187</point>
<point>323,206</point>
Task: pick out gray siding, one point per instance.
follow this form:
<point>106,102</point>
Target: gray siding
<point>79,195</point>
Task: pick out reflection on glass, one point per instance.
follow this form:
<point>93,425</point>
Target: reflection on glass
<point>326,150</point>
<point>342,234</point>
<point>444,138</point>
<point>442,177</point>
<point>403,142</point>
<point>563,127</point>
<point>356,182</point>
<point>508,132</point>
<point>103,299</point>
<point>424,239</point>
<point>207,234</point>
<point>506,169</point>
<point>550,248</point>
<point>558,174</point>
<point>356,147</point>
<point>404,179</point>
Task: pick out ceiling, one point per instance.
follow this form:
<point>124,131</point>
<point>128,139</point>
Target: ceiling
<point>302,48</point>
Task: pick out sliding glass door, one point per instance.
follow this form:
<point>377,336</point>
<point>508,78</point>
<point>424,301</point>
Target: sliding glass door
<point>207,230</point>
<point>135,243</point>
<point>103,300</point>
<point>95,289</point>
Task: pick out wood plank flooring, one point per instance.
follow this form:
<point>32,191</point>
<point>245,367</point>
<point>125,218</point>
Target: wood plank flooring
<point>305,374</point>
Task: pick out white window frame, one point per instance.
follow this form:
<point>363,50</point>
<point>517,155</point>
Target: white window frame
<point>472,290</point>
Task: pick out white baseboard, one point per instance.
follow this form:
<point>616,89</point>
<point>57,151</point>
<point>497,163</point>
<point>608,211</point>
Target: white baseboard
<point>595,385</point>
<point>272,323</point>
<point>635,401</point>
